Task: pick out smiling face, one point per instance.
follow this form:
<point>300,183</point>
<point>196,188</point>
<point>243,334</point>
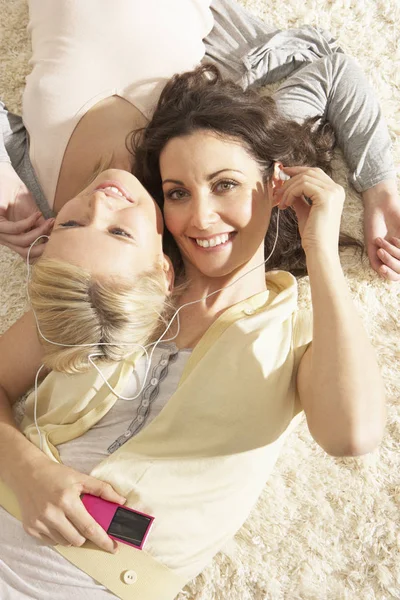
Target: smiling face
<point>216,205</point>
<point>113,227</point>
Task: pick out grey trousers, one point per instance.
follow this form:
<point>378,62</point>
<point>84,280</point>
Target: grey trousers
<point>322,81</point>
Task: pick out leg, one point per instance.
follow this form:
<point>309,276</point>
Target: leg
<point>335,88</point>
<point>253,53</point>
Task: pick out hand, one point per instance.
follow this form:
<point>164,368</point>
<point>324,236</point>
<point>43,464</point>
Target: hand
<point>20,221</point>
<point>319,224</point>
<point>52,511</point>
<point>382,235</point>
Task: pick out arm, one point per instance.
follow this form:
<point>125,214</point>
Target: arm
<point>19,346</point>
<point>339,382</point>
<point>48,493</point>
<point>20,221</point>
<point>4,129</point>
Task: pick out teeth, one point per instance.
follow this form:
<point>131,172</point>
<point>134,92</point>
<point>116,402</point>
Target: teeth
<point>211,242</point>
<point>115,190</point>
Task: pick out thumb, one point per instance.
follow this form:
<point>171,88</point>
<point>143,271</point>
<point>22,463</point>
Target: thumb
<point>96,487</point>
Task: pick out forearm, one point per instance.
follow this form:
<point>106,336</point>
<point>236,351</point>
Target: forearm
<point>4,129</point>
<point>17,454</point>
<point>346,390</point>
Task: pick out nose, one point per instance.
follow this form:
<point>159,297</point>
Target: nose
<point>100,205</point>
<point>203,212</point>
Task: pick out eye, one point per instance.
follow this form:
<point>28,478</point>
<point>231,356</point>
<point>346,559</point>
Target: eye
<point>114,230</point>
<point>121,232</point>
<point>70,224</point>
<point>225,185</point>
<point>176,194</point>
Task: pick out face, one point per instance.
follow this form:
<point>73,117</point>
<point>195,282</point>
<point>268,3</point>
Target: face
<point>216,205</point>
<point>113,227</point>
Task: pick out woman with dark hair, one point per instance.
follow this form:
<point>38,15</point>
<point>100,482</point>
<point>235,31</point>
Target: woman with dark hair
<point>243,364</point>
<point>203,100</point>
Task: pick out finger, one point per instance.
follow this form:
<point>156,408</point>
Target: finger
<point>395,241</point>
<point>41,221</point>
<point>58,537</point>
<point>302,211</point>
<point>48,535</point>
<point>43,538</point>
<point>104,490</point>
<point>89,528</point>
<point>17,227</point>
<point>66,533</point>
<point>389,260</point>
<point>392,249</point>
<point>314,171</point>
<point>374,260</point>
<point>297,188</point>
<point>382,269</point>
<point>35,252</point>
<point>388,274</point>
<point>24,240</point>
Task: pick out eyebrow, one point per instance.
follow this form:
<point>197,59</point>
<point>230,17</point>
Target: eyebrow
<point>208,178</point>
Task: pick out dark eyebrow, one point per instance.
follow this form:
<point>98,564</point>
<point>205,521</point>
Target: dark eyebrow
<point>209,177</point>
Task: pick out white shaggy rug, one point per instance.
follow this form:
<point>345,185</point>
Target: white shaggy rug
<point>324,528</point>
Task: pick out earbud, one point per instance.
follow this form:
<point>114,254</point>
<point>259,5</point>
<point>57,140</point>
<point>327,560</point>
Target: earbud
<point>283,176</point>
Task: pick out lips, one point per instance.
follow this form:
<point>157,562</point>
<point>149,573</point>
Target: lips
<point>113,194</point>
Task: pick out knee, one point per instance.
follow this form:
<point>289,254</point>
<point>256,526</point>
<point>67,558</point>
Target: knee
<point>344,62</point>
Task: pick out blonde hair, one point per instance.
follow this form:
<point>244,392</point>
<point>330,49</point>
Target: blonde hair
<point>74,307</point>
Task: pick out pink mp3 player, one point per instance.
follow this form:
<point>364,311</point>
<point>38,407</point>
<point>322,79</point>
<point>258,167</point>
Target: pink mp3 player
<point>120,522</point>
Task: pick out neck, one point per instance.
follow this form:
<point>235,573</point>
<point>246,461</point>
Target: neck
<point>226,291</point>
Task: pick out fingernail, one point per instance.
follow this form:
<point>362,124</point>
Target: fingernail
<point>381,252</point>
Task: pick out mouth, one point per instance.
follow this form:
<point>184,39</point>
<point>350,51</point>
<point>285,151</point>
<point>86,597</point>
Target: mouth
<point>215,242</point>
<point>115,190</point>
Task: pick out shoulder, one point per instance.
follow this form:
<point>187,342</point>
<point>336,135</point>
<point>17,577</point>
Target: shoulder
<point>21,356</point>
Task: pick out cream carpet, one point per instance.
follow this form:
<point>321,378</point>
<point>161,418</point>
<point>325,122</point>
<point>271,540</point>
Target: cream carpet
<point>324,528</point>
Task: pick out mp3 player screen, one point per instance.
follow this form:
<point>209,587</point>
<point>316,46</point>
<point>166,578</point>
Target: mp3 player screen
<point>129,526</point>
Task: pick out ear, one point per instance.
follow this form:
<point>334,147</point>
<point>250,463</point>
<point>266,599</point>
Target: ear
<point>276,183</point>
<point>169,273</point>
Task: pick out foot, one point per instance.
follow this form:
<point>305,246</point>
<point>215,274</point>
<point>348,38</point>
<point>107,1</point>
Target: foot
<point>382,229</point>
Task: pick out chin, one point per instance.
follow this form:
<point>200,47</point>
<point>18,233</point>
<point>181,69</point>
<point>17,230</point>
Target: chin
<point>217,273</point>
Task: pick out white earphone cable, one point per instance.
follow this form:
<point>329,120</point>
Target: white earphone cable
<point>144,348</point>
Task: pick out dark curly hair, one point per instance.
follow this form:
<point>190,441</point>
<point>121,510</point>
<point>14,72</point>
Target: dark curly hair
<point>202,100</point>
